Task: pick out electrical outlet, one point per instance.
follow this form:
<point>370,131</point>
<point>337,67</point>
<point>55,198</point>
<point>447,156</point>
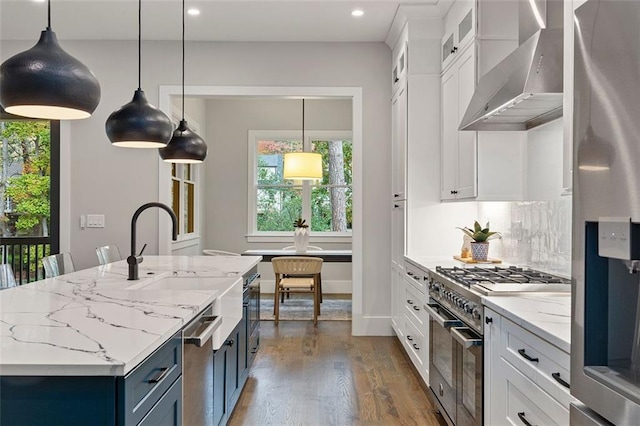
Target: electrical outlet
<point>95,221</point>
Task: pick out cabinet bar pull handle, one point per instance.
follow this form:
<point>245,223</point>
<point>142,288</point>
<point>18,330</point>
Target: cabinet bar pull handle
<point>409,338</point>
<point>409,301</point>
<point>524,355</point>
<point>199,340</point>
<point>416,347</point>
<point>163,372</point>
<point>523,419</point>
<point>416,308</point>
<point>410,273</point>
<point>559,380</point>
<point>488,320</point>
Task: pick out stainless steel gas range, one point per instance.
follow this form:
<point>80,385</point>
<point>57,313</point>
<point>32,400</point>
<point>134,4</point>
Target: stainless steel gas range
<point>456,317</point>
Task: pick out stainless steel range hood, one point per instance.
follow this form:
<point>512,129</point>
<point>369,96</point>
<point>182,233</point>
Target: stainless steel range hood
<point>524,90</point>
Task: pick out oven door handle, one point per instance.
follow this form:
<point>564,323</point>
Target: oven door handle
<point>442,321</point>
<point>463,340</point>
<point>202,338</point>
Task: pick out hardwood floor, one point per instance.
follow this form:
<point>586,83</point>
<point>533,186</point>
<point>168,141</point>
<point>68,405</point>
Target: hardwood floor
<point>306,375</point>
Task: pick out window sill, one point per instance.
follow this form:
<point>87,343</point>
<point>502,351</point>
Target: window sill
<point>337,238</point>
<point>184,242</point>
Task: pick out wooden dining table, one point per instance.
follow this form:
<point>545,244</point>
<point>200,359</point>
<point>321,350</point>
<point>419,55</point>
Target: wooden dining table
<point>326,255</point>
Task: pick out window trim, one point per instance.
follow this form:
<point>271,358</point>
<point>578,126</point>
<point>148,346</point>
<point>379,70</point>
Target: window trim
<point>193,238</point>
<point>253,235</point>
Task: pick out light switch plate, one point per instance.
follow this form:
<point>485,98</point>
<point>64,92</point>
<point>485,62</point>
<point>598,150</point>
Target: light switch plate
<point>95,221</point>
<point>614,237</point>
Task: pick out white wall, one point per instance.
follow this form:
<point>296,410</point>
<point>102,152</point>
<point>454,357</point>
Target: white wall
<point>115,181</point>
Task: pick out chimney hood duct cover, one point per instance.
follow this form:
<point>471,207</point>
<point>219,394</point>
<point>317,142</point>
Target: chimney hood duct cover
<point>524,90</point>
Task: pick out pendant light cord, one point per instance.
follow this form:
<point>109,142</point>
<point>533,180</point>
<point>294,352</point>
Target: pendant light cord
<point>183,59</point>
<point>49,15</point>
<point>139,44</point>
<point>303,123</point>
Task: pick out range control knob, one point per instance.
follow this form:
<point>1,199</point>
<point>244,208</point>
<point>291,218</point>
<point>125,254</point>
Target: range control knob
<point>476,314</point>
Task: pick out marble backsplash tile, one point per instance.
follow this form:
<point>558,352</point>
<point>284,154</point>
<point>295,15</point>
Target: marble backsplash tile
<point>536,234</point>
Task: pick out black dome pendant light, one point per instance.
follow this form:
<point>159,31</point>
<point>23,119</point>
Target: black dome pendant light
<point>46,82</point>
<point>185,145</point>
<point>139,124</point>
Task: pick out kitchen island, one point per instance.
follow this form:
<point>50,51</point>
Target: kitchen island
<point>66,343</point>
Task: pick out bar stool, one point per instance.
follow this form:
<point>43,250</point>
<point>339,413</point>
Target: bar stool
<point>57,264</point>
<point>108,254</point>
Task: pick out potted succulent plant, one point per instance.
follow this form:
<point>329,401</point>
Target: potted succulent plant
<point>301,235</point>
<point>480,237</point>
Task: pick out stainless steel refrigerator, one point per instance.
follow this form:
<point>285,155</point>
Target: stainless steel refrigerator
<point>605,346</point>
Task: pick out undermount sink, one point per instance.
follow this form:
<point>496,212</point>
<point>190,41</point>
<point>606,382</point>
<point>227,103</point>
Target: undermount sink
<point>169,281</point>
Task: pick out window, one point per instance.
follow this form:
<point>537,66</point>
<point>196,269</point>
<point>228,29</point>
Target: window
<point>276,203</point>
<point>30,194</point>
<point>183,197</point>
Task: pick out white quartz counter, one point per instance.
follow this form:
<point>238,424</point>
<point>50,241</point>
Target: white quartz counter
<point>547,315</point>
<point>94,322</point>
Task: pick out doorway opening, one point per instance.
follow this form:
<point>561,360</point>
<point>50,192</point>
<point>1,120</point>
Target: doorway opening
<point>354,94</point>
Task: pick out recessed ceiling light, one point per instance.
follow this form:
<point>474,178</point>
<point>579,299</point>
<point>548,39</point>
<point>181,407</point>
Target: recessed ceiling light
<point>39,1</point>
<point>193,11</point>
<point>357,12</point>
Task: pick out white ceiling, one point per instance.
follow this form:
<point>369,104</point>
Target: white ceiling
<point>220,20</point>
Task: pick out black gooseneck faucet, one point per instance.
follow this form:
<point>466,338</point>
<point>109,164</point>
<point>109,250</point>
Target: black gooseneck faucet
<point>134,259</point>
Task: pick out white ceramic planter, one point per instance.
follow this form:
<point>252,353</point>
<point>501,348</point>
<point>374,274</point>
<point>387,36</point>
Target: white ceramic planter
<point>301,239</point>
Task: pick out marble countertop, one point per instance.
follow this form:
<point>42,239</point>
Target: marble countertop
<point>547,315</point>
<point>95,322</point>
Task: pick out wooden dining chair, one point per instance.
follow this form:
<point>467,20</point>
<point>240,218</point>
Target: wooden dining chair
<point>297,274</point>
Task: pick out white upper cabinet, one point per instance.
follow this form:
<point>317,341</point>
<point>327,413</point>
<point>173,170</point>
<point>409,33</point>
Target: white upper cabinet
<point>459,148</point>
<point>477,165</point>
<point>459,30</point>
<point>399,70</point>
<point>399,142</point>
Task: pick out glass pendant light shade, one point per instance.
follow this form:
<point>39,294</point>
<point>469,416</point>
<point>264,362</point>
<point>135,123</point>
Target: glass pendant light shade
<point>139,124</point>
<point>184,147</point>
<point>46,82</point>
<point>302,166</point>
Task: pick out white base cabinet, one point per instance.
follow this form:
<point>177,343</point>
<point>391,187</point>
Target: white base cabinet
<point>409,319</point>
<point>526,378</point>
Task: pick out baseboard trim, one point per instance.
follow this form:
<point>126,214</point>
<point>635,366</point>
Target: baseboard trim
<point>371,326</point>
<point>328,287</point>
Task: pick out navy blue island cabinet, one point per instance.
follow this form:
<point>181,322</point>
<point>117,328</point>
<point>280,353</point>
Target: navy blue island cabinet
<point>151,394</point>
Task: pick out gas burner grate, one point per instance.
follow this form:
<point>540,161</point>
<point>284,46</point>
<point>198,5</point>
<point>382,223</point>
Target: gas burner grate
<point>499,275</point>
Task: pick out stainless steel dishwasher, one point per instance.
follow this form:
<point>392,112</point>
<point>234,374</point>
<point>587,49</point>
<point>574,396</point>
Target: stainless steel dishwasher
<point>197,408</point>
